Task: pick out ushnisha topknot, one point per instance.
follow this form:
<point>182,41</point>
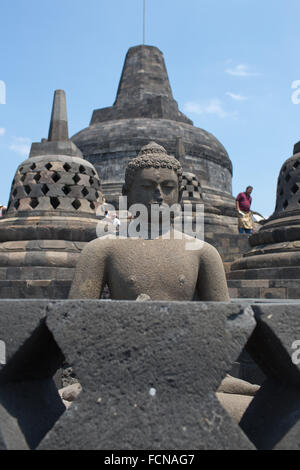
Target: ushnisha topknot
<point>151,155</point>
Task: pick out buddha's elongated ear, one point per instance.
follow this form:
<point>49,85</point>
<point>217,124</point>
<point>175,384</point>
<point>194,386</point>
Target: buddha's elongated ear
<point>124,190</point>
<point>180,192</point>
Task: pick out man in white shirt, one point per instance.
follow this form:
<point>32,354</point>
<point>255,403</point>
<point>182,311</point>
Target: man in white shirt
<point>116,222</point>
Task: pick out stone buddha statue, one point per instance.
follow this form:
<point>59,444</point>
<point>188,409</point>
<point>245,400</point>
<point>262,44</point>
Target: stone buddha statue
<point>160,266</point>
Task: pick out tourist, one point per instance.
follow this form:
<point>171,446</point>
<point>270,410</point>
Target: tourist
<point>2,210</point>
<point>116,222</point>
<point>243,204</point>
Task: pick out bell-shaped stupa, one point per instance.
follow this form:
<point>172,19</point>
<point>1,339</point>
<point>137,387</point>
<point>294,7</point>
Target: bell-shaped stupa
<point>272,267</point>
<point>50,216</point>
<point>145,111</point>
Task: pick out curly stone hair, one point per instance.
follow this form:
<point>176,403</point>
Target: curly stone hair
<point>151,156</point>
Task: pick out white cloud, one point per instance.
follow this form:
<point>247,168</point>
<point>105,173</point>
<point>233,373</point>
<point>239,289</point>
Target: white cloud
<point>241,70</point>
<point>2,131</point>
<point>21,145</point>
<point>214,107</point>
<point>236,96</point>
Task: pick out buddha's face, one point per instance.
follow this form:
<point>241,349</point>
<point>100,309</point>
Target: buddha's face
<point>154,186</point>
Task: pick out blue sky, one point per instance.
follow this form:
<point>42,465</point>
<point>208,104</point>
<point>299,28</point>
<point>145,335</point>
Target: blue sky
<point>231,66</point>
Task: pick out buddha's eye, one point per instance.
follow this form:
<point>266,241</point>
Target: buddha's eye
<point>168,186</point>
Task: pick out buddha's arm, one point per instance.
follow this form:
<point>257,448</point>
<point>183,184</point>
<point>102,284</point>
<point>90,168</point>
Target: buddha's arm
<point>90,276</point>
<point>212,284</point>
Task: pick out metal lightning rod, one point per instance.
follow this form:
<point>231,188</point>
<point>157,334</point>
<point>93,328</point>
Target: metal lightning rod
<point>144,23</point>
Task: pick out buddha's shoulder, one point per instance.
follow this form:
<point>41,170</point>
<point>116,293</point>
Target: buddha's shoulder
<point>111,240</point>
<point>193,243</point>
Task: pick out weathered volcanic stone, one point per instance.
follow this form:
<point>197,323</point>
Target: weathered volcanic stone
<point>29,400</point>
<point>273,418</point>
<point>278,326</point>
<point>18,321</point>
<point>149,373</point>
<point>145,111</point>
<point>54,196</point>
<point>11,436</point>
<point>275,248</point>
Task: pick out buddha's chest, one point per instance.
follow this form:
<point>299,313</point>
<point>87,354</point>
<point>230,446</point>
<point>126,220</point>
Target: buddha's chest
<point>159,271</point>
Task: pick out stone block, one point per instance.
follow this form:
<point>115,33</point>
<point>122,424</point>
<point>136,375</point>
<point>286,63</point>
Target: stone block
<point>271,345</point>
<point>275,293</point>
<point>293,292</point>
<point>255,283</point>
<point>11,436</point>
<point>233,293</point>
<point>272,421</point>
<point>23,330</point>
<point>149,372</point>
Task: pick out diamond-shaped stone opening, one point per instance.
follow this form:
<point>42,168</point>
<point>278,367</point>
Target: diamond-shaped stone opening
<point>92,206</point>
<point>285,204</point>
<point>54,201</point>
<point>294,188</point>
<point>17,204</point>
<point>287,178</point>
<point>67,167</point>
<point>27,189</point>
<point>45,189</point>
<point>15,192</point>
<point>23,178</point>
<point>94,172</point>
<point>48,166</point>
<point>76,178</point>
<point>34,202</point>
<point>91,181</point>
<point>37,177</point>
<point>96,194</point>
<point>85,192</point>
<point>33,166</point>
<point>296,164</point>
<point>76,204</point>
<point>82,169</point>
<point>281,192</point>
<point>56,177</point>
<point>66,190</point>
<point>20,169</point>
<point>31,423</point>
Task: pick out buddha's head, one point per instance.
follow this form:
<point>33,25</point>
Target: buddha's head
<point>153,177</point>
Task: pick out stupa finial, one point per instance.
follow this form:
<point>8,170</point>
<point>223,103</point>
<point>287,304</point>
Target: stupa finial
<point>58,131</point>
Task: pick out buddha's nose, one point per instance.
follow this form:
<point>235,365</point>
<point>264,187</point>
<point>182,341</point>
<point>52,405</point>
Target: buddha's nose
<point>158,196</point>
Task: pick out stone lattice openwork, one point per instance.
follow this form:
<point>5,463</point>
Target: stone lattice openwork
<point>47,184</point>
<point>271,268</point>
<point>51,215</point>
<point>288,194</point>
<point>191,187</point>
